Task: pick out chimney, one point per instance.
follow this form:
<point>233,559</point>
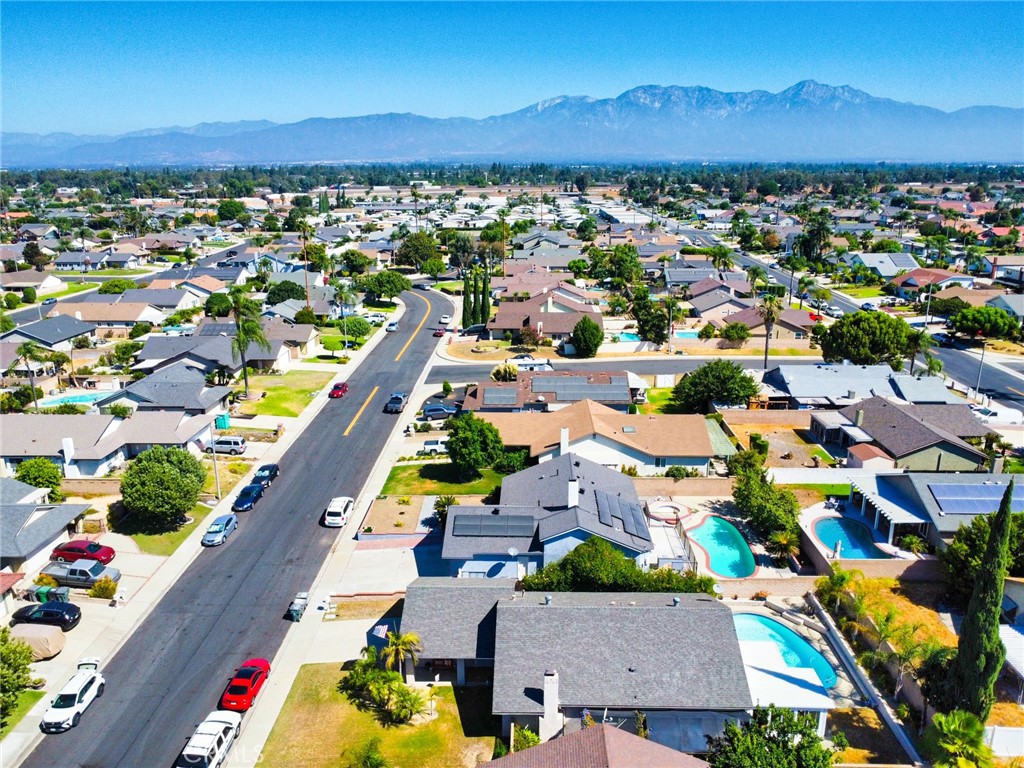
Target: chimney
<point>573,495</point>
<point>78,315</point>
<point>68,447</point>
<point>858,419</point>
<point>563,441</point>
<point>851,394</point>
<point>550,721</point>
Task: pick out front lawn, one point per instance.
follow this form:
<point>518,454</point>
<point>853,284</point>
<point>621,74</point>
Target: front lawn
<point>319,727</point>
<point>913,602</point>
<point>866,292</point>
<point>659,400</point>
<point>230,471</point>
<point>72,289</point>
<point>437,480</point>
<point>119,272</point>
<point>162,544</point>
<point>26,700</point>
<point>285,395</point>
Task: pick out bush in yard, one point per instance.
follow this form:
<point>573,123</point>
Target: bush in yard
<point>523,738</point>
<point>368,755</point>
<point>679,472</point>
<point>29,295</point>
<point>104,588</point>
<point>767,507</point>
<point>772,737</point>
<point>45,580</point>
<point>587,337</point>
<point>736,333</point>
<point>117,285</point>
<point>41,473</point>
<point>120,410</point>
<point>719,381</point>
<point>283,291</point>
<point>510,462</point>
<point>357,327</point>
<point>218,305</point>
<point>505,372</point>
<point>140,329</point>
<point>12,300</point>
<point>446,388</point>
<point>472,445</point>
<point>15,657</point>
<point>441,504</point>
<point>160,486</point>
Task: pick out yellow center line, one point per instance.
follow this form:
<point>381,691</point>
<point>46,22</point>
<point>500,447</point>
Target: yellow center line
<point>418,327</point>
<point>360,412</point>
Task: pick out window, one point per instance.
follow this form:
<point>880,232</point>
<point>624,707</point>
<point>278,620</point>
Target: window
<point>661,462</point>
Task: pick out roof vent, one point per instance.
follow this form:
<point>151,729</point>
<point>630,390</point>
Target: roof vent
<point>547,599</point>
<point>675,600</point>
<point>628,430</point>
<point>632,669</point>
<point>495,511</point>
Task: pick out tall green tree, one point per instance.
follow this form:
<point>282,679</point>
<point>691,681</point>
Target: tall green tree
<point>980,651</point>
<point>248,329</point>
<point>720,381</point>
<point>40,472</point>
<point>386,284</point>
<point>770,310</point>
<point>587,337</point>
<point>472,445</point>
<point>399,647</point>
<point>484,301</point>
<point>416,250</point>
<point>471,299</point>
<point>160,486</point>
<point>467,308</point>
<point>866,338</point>
<point>918,342</point>
<point>15,673</point>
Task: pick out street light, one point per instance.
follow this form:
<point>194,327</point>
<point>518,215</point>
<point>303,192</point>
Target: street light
<point>981,365</point>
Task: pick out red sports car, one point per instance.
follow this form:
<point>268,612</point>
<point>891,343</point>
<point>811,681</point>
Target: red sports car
<point>439,332</point>
<point>70,551</point>
<point>246,683</point>
<point>338,390</point>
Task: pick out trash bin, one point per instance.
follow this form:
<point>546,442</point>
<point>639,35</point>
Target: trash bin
<point>223,421</point>
<point>43,594</point>
<point>59,594</point>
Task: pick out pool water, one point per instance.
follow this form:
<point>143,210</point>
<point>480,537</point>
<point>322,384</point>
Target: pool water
<point>729,554</point>
<point>626,336</point>
<point>86,398</point>
<point>856,540</point>
<point>796,651</point>
<point>629,337</point>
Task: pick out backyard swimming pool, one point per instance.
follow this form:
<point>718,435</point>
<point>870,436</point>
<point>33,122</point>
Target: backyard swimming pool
<point>796,651</point>
<point>627,336</point>
<point>85,398</point>
<point>729,554</point>
<point>855,539</point>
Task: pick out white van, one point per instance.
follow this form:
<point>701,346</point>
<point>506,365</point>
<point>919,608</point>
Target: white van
<point>227,444</point>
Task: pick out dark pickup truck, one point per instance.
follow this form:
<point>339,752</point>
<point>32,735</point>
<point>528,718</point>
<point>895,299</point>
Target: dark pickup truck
<point>81,573</point>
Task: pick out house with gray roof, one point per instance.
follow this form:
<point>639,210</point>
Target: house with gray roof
<point>178,387</point>
<point>165,299</point>
<point>932,505</point>
<point>826,386</point>
<point>558,654</point>
<point>921,438</point>
<point>209,353</point>
<point>29,531</point>
<point>546,511</point>
<point>718,304</point>
<point>54,333</point>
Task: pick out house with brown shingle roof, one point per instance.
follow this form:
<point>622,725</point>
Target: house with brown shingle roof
<point>599,746</point>
<point>650,442</point>
<point>554,316</point>
<point>912,282</point>
<point>792,323</point>
<point>118,318</point>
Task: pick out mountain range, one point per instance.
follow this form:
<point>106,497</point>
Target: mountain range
<point>808,122</point>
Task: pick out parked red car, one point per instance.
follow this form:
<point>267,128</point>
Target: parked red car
<point>338,390</point>
<point>246,683</point>
<point>439,332</point>
<point>79,549</point>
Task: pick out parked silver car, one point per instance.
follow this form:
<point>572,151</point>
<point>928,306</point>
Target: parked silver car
<point>219,530</point>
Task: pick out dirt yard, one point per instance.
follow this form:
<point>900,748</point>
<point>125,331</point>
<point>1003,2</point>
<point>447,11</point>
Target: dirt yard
<point>797,444</point>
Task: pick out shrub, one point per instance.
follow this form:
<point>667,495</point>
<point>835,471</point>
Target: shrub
<point>104,589</point>
<point>29,295</point>
<point>446,388</point>
<point>140,329</point>
<point>120,410</point>
<point>680,472</point>
<point>523,738</point>
<point>45,580</point>
<point>510,462</point>
<point>629,471</point>
<point>41,473</point>
<point>161,485</point>
<point>404,501</point>
<point>12,301</point>
<point>368,755</point>
<point>15,674</point>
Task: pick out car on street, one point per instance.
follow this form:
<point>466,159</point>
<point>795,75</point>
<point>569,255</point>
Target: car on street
<point>338,390</point>
<point>49,302</point>
<point>835,312</point>
<point>54,613</point>
<point>396,404</point>
<point>176,265</point>
<point>445,319</point>
<point>439,332</point>
<point>245,685</point>
<point>422,286</point>
<point>79,549</point>
<point>209,745</point>
<point>219,530</point>
<point>67,708</point>
<point>337,513</point>
<point>943,339</point>
<point>392,327</point>
<point>247,498</point>
<point>868,306</point>
<point>266,475</point>
<point>438,411</point>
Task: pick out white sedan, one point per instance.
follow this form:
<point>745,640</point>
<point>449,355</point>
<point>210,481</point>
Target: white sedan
<point>445,319</point>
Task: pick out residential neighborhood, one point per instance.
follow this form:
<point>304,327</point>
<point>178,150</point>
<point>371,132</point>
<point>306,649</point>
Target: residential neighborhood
<point>541,473</point>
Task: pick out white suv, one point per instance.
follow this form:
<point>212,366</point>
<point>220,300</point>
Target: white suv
<point>74,698</point>
<point>337,512</point>
<point>210,744</point>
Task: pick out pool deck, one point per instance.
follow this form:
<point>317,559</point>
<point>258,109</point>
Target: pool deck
<point>811,515</point>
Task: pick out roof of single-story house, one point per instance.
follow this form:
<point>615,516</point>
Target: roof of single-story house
<point>52,330</point>
<point>176,387</point>
<point>454,620</point>
<point>839,384</point>
<point>24,528</point>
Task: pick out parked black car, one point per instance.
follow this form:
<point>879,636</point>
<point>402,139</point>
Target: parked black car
<point>266,475</point>
<point>59,614</point>
<point>247,498</point>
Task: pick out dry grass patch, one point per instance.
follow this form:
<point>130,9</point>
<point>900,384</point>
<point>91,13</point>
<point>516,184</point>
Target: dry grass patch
<point>1007,713</point>
<point>368,609</point>
<point>914,603</point>
<point>871,742</point>
<point>319,728</point>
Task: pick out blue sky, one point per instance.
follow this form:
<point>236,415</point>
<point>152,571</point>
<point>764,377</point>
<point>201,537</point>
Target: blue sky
<point>106,67</point>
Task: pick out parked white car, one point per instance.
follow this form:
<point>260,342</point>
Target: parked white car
<point>85,686</point>
<point>997,415</point>
<point>210,744</point>
<point>835,312</point>
<point>338,511</point>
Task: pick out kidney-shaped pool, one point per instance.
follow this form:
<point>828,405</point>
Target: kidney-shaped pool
<point>796,651</point>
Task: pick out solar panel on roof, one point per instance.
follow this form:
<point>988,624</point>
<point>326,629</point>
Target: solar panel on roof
<point>640,522</point>
<point>973,499</point>
<point>551,383</point>
<point>493,525</point>
<point>628,523</point>
<point>500,396</point>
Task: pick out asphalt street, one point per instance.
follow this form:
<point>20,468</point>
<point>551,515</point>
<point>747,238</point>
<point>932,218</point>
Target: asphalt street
<point>229,604</point>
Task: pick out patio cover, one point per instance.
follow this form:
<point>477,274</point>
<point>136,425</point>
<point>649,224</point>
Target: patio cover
<point>1012,636</point>
<point>893,504</point>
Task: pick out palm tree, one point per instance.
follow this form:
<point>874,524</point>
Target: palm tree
<point>830,588</point>
<point>305,230</point>
<point>346,295</point>
<point>29,352</point>
<point>933,363</point>
<point>400,646</point>
<point>770,310</point>
<point>248,329</point>
<point>960,739</point>
<point>722,258</point>
<point>917,342</point>
<point>803,285</point>
<point>756,275</point>
<point>782,545</point>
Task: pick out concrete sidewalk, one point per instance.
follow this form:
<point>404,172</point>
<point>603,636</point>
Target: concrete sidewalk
<point>122,621</point>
